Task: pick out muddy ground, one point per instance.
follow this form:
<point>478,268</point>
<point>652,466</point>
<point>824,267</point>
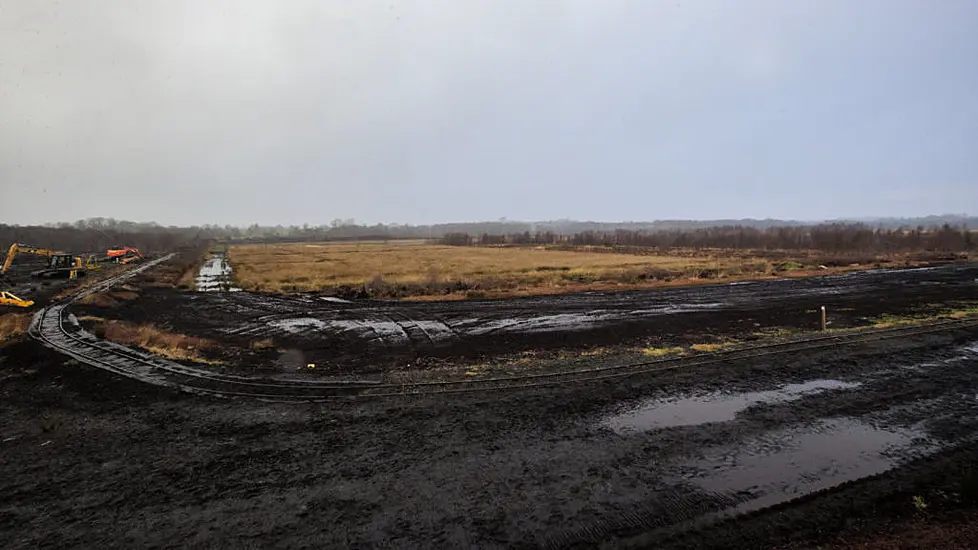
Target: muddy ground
<point>373,336</point>
<point>91,460</point>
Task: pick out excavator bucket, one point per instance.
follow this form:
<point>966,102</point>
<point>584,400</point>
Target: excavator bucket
<point>9,299</point>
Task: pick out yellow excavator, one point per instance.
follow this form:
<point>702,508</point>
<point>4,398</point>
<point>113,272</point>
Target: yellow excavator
<point>62,264</point>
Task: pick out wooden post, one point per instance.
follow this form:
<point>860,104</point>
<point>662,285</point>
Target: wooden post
<point>823,317</point>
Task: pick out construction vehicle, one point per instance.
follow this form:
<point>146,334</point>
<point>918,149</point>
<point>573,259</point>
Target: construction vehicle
<point>20,248</point>
<point>125,254</point>
<point>8,299</point>
<point>61,264</point>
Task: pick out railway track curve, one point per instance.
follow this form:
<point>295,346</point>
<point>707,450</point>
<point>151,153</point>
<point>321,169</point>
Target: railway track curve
<point>53,327</point>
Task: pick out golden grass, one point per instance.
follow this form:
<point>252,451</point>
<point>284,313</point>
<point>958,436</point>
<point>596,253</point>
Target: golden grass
<point>713,348</point>
<point>155,340</point>
<point>890,321</point>
<point>663,352</point>
<point>418,270</point>
<point>91,319</point>
<point>13,326</point>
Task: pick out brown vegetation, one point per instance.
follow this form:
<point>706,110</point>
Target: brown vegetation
<point>264,344</point>
<point>418,270</point>
<point>154,339</point>
<point>13,326</point>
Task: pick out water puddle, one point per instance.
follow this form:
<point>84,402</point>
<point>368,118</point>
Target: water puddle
<point>298,324</point>
<point>215,275</point>
<point>715,407</point>
<point>334,299</point>
<point>291,359</point>
<point>786,464</point>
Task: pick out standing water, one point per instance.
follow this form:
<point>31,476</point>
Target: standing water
<point>714,407</point>
<point>215,274</point>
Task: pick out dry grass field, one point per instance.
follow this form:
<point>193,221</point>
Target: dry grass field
<point>418,270</point>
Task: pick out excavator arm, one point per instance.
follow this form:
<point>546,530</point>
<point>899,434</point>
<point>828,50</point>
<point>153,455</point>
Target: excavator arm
<point>125,254</point>
<point>8,299</point>
<point>124,251</point>
<point>19,248</point>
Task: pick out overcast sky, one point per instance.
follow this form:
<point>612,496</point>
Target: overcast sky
<point>241,111</point>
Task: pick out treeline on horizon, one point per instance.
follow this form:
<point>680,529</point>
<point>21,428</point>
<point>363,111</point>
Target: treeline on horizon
<point>837,238</point>
<point>933,232</point>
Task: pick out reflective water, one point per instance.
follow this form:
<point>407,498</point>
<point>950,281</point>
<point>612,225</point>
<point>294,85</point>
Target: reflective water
<point>781,465</point>
<point>215,275</point>
<point>715,407</point>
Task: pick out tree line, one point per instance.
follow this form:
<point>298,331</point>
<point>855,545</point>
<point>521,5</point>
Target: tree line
<point>834,238</point>
<point>91,240</point>
<point>97,234</point>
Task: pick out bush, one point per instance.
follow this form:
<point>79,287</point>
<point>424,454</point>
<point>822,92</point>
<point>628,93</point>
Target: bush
<point>262,345</point>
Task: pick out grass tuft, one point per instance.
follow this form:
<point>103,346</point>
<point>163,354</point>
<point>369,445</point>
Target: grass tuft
<point>713,348</point>
<point>262,345</point>
<point>663,352</point>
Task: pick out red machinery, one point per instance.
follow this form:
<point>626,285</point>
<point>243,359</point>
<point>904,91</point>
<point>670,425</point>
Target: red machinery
<point>124,254</point>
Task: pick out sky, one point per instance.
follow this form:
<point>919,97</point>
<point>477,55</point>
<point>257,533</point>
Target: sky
<point>242,111</point>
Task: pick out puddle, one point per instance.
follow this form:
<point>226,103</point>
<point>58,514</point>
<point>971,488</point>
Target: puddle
<point>299,324</point>
<point>291,359</point>
<point>715,407</point>
<point>215,275</point>
<point>786,464</point>
<point>335,300</point>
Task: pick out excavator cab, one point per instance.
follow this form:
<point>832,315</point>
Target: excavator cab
<point>62,261</point>
<point>62,266</point>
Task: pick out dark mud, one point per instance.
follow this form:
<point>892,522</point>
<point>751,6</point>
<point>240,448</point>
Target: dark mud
<point>90,460</point>
<point>367,336</point>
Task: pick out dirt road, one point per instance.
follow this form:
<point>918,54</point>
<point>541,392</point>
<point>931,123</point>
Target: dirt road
<point>90,460</point>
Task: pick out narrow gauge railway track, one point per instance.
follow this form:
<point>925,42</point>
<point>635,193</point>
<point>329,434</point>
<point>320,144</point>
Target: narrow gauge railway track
<point>49,328</point>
